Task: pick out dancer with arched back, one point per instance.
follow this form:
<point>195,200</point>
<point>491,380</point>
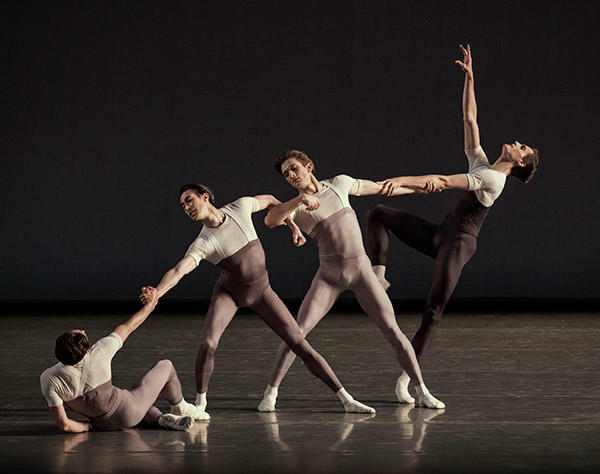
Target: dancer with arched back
<point>452,243</point>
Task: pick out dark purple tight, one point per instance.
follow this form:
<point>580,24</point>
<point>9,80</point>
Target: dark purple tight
<point>451,250</point>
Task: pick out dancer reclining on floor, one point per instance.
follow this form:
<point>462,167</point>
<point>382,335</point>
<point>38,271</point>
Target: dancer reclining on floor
<point>82,380</point>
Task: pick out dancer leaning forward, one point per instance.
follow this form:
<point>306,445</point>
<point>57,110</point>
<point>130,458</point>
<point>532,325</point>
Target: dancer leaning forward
<point>228,239</point>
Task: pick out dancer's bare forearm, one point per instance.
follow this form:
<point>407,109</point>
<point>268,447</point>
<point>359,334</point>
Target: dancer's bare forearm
<point>469,104</point>
<point>64,423</point>
<point>172,277</point>
<point>279,213</point>
<point>125,329</point>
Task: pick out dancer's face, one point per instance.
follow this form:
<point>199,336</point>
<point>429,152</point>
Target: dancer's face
<point>515,152</point>
<point>193,204</point>
<point>296,173</point>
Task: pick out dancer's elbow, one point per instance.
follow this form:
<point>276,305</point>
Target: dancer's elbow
<point>270,222</point>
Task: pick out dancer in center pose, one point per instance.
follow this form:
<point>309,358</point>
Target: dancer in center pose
<point>452,243</point>
<point>322,210</point>
<point>228,239</point>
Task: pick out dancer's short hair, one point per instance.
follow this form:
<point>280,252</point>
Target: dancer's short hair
<point>70,347</point>
<point>525,173</point>
<point>298,155</point>
<point>199,189</point>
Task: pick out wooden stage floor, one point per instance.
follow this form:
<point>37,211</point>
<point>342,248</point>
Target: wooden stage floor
<point>522,394</point>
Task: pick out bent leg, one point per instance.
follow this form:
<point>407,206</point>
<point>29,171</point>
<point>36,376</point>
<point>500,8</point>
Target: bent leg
<point>220,313</point>
<point>276,315</point>
<point>453,254</point>
<point>159,382</point>
<point>410,229</point>
<point>152,416</point>
<point>317,302</point>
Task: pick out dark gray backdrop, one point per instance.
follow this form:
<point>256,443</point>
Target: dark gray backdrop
<point>109,106</point>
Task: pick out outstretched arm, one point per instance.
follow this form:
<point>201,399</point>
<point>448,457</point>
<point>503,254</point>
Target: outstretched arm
<point>269,201</point>
<point>469,105</point>
<point>392,187</point>
<point>171,278</point>
<point>126,328</point>
<point>424,184</point>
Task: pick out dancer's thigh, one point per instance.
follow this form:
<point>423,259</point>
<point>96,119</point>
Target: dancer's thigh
<point>317,302</point>
<point>373,299</point>
<point>410,229</point>
<point>277,316</point>
<point>452,256</point>
<point>221,311</point>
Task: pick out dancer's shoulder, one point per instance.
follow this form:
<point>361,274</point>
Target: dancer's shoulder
<point>477,158</point>
<point>346,183</point>
<point>244,204</point>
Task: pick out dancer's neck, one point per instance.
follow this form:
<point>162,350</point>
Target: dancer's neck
<point>314,186</point>
<point>214,217</point>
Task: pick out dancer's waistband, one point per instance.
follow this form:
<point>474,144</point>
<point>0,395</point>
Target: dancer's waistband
<point>342,256</point>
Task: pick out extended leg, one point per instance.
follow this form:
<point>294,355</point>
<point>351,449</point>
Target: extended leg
<point>219,315</point>
<point>373,299</point>
<point>278,318</point>
<point>276,315</point>
<point>317,302</point>
<point>453,254</point>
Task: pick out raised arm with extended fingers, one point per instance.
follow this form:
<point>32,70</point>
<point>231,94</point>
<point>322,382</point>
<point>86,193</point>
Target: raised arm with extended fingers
<point>469,105</point>
<point>437,182</point>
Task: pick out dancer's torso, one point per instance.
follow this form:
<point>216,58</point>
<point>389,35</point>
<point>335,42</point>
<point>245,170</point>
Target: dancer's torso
<point>470,208</point>
<point>72,384</point>
<point>466,214</point>
<point>237,230</point>
<point>333,226</point>
<point>99,405</point>
<point>235,248</point>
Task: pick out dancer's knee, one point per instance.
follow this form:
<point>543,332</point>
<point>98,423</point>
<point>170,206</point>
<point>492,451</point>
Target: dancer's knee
<point>394,335</point>
<point>166,364</point>
<point>209,346</point>
<point>433,315</point>
<point>302,349</point>
<point>375,213</point>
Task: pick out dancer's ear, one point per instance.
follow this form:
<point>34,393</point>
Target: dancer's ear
<point>310,167</point>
